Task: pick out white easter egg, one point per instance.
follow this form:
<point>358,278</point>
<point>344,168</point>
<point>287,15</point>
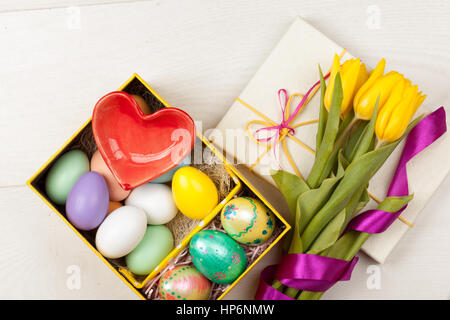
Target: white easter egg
<point>156,200</point>
<point>121,232</point>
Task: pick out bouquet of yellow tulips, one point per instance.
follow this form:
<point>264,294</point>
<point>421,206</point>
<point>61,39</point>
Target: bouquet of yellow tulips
<point>363,117</point>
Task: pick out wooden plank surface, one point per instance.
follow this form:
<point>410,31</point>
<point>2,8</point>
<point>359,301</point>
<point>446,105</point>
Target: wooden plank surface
<point>21,5</point>
<point>56,63</point>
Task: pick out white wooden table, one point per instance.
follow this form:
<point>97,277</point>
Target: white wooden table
<point>59,57</point>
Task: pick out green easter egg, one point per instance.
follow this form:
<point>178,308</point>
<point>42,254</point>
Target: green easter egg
<point>218,257</point>
<point>153,248</point>
<point>63,175</point>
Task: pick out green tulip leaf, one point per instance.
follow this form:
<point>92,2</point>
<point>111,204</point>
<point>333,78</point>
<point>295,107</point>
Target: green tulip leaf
<point>296,242</point>
<point>329,136</point>
<point>353,205</point>
<point>342,164</point>
<point>350,243</point>
<point>363,200</point>
<point>335,227</point>
<point>346,122</point>
<point>366,138</point>
<point>311,201</point>
<point>329,235</point>
<point>332,160</point>
<point>323,113</point>
<point>357,174</point>
<point>343,160</point>
<point>354,138</point>
<point>393,204</point>
<point>291,187</point>
<point>340,142</point>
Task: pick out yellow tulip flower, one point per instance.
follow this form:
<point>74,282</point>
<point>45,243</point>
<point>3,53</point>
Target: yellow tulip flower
<point>353,75</point>
<point>377,85</point>
<point>398,111</point>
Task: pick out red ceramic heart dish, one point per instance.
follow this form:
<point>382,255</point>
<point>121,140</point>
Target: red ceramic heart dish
<point>136,147</point>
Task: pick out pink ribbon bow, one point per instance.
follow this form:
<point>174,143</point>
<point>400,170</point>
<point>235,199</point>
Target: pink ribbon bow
<point>285,122</point>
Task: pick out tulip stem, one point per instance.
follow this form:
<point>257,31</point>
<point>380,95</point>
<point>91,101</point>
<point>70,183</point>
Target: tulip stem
<point>379,144</point>
<point>347,130</point>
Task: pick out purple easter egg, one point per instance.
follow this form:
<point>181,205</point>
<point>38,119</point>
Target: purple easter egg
<point>88,201</point>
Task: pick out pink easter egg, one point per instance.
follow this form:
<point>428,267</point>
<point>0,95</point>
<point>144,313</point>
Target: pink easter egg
<point>184,283</point>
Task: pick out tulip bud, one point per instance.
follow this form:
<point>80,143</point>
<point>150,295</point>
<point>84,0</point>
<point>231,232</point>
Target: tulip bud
<point>400,107</point>
<point>353,75</point>
<point>377,85</point>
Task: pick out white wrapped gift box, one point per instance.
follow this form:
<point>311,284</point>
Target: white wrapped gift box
<point>293,65</point>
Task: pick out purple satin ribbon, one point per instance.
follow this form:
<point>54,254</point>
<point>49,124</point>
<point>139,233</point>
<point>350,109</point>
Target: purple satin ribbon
<point>428,130</point>
<point>303,272</point>
<point>312,272</point>
<point>317,273</point>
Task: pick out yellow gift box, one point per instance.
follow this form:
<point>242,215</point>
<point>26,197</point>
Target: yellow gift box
<point>135,85</point>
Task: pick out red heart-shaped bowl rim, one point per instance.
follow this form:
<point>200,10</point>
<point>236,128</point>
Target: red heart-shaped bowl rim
<point>136,147</point>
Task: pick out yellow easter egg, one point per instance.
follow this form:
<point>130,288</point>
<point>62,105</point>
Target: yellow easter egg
<point>247,220</point>
<point>194,193</point>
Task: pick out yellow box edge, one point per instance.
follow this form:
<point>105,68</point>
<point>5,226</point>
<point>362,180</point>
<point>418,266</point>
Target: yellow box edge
<point>211,147</point>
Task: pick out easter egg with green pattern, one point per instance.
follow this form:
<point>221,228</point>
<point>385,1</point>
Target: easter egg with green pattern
<point>247,220</point>
<point>184,283</point>
<point>218,257</point>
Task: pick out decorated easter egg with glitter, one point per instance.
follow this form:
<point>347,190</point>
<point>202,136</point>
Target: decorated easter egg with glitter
<point>184,283</point>
<point>247,220</point>
<point>218,257</point>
